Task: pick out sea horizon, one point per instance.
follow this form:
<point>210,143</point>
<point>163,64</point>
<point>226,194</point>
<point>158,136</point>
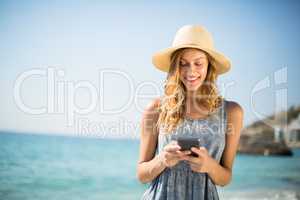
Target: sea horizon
<point>35,166</point>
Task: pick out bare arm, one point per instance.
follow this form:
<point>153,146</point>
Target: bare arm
<point>221,174</point>
<point>149,166</point>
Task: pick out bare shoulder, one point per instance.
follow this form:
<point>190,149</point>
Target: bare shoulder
<point>153,104</point>
<point>151,112</point>
<point>234,109</point>
<point>235,118</point>
<point>152,108</point>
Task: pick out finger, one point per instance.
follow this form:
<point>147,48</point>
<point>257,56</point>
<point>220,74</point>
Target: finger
<point>203,148</point>
<point>196,150</point>
<point>172,148</point>
<point>182,153</point>
<point>199,151</point>
<point>192,159</point>
<point>177,154</point>
<point>171,156</point>
<point>193,166</point>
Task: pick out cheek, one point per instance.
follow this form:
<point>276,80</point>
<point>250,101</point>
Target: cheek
<point>181,75</point>
<point>203,73</point>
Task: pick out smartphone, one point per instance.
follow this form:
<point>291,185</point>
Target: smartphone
<point>187,143</point>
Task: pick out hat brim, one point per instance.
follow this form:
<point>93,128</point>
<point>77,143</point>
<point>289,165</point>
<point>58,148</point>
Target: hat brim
<point>161,59</point>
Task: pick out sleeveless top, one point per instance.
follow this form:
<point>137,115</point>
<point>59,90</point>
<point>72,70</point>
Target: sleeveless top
<point>180,182</point>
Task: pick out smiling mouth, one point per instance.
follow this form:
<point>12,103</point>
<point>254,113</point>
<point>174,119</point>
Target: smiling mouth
<point>192,80</point>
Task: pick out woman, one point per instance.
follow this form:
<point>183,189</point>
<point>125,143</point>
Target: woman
<point>190,107</point>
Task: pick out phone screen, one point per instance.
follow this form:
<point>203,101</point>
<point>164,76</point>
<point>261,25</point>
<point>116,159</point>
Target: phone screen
<point>188,143</point>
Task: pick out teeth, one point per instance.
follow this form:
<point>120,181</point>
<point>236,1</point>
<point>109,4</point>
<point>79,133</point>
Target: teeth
<point>192,79</point>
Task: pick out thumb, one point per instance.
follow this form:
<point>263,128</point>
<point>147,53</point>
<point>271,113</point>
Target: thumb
<point>203,148</point>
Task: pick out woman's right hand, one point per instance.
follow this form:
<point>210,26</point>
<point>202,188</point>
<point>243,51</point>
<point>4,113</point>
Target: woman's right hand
<point>171,154</point>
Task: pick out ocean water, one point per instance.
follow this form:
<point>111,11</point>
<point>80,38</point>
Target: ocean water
<point>58,167</point>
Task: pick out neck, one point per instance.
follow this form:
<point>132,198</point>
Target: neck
<point>190,96</point>
<point>191,103</point>
<point>192,106</point>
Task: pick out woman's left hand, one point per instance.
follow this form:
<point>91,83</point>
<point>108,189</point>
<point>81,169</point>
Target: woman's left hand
<point>201,163</point>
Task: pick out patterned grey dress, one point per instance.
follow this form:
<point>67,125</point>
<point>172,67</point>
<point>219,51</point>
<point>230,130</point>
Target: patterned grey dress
<point>180,182</point>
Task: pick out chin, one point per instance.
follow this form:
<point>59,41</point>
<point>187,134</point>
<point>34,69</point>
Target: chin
<point>192,89</point>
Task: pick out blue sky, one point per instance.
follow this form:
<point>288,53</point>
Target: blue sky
<point>79,39</point>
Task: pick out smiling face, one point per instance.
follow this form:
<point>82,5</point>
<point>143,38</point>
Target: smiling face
<point>193,68</point>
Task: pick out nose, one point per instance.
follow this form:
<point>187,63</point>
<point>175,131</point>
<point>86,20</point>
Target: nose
<point>192,68</point>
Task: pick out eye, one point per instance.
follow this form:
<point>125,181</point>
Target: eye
<point>198,64</point>
<point>184,65</point>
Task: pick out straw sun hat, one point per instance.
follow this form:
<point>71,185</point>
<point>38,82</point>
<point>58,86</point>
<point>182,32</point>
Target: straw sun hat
<point>193,36</point>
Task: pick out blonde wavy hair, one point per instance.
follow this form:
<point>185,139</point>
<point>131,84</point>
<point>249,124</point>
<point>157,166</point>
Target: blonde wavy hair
<point>172,105</point>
